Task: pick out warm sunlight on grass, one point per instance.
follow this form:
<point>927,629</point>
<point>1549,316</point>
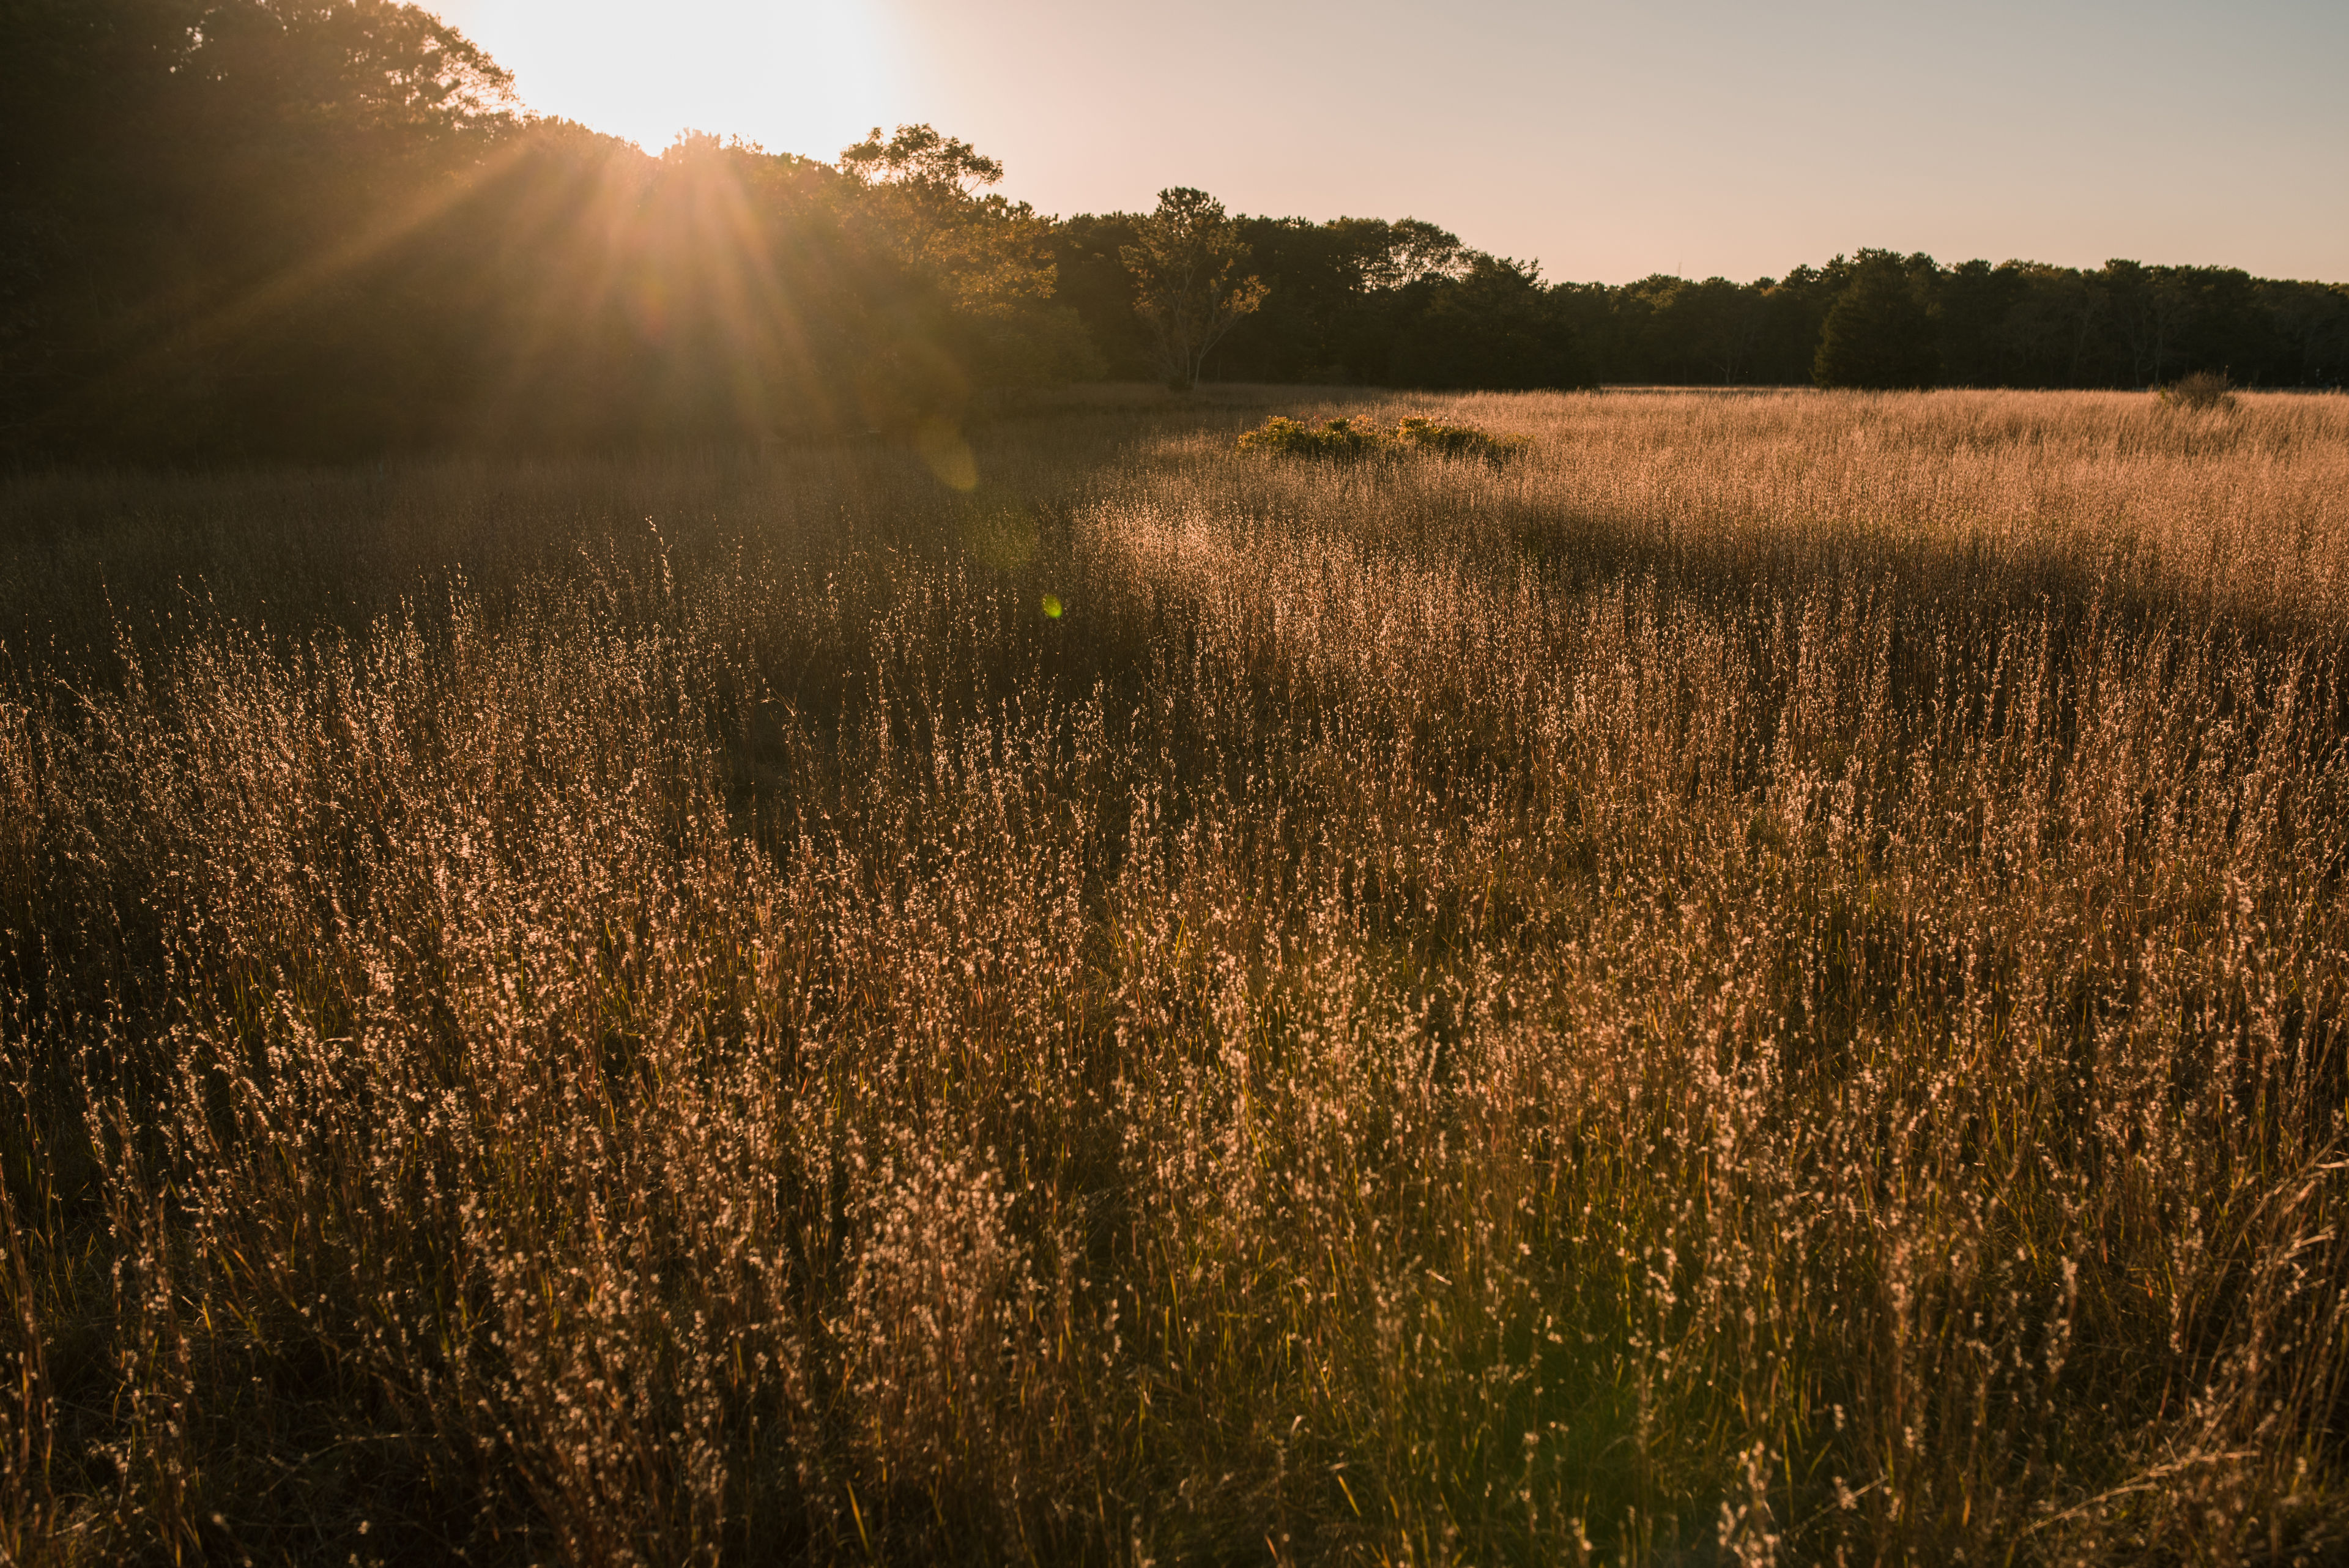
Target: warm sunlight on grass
<point>1761,982</point>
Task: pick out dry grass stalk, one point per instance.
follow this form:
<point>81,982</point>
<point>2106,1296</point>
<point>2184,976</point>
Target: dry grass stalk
<point>1763,983</point>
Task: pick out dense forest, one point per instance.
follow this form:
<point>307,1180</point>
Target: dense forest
<point>246,229</point>
<point>1874,319</point>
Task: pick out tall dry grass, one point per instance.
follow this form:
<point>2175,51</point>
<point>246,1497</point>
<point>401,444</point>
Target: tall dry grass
<point>1763,983</point>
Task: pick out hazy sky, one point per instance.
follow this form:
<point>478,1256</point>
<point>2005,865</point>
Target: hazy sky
<point>1607,140</point>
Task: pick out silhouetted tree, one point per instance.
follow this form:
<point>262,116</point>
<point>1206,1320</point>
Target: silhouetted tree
<point>214,194</point>
<point>1332,310</point>
<point>1878,334</point>
<point>1496,328</point>
<point>1090,278</point>
<point>319,228</point>
<point>962,279</point>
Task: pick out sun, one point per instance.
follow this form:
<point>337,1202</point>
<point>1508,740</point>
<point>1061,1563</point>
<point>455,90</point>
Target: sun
<point>795,76</point>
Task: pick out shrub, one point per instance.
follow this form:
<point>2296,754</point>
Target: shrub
<point>2202,389</point>
<point>1337,439</point>
<point>1456,441</point>
<point>1346,440</point>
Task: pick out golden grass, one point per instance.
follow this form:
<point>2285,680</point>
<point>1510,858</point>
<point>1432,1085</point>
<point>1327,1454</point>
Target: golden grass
<point>1763,983</point>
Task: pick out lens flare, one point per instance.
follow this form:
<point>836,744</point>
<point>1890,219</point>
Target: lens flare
<point>947,455</point>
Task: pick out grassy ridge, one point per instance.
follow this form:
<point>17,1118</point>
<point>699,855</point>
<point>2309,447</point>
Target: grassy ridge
<point>1761,982</point>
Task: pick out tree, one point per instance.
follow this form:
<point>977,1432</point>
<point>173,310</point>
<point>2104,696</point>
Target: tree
<point>1878,334</point>
<point>198,203</point>
<point>1334,288</point>
<point>1090,278</point>
<point>1494,328</point>
<point>2312,331</point>
<point>968,276</point>
<point>1976,300</point>
<point>1188,289</point>
<point>988,253</point>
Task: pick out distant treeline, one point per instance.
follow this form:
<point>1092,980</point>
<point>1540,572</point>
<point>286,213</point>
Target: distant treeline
<point>248,228</point>
<point>1406,304</point>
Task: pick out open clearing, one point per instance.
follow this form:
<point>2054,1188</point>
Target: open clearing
<point>1761,980</point>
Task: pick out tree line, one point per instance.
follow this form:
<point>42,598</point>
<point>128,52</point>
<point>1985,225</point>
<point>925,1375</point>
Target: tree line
<point>255,229</point>
<point>233,230</point>
<point>1407,304</point>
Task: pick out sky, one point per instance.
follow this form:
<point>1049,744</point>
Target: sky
<point>1606,140</point>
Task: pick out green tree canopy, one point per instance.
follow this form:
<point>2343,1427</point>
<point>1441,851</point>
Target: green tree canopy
<point>1189,288</point>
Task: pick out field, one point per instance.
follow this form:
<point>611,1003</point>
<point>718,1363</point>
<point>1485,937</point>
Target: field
<point>1762,981</point>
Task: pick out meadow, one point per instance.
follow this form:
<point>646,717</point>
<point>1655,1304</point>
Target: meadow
<point>1760,978</point>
